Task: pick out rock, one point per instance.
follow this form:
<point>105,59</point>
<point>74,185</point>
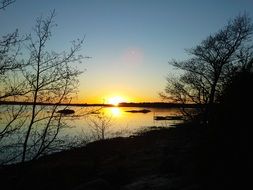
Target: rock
<point>66,111</point>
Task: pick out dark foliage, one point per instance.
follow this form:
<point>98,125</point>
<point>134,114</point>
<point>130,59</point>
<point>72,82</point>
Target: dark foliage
<point>226,161</point>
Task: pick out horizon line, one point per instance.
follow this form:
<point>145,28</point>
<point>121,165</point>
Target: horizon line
<point>121,104</point>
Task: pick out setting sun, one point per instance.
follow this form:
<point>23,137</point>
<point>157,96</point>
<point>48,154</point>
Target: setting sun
<point>116,100</point>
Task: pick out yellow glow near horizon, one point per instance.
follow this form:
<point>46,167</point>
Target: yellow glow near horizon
<point>115,100</point>
<point>102,97</point>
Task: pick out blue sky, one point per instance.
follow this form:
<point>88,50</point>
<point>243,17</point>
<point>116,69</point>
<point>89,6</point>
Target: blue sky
<point>130,41</point>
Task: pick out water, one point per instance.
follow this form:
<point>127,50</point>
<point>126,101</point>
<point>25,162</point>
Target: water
<point>121,122</point>
<point>85,125</point>
<point>116,120</point>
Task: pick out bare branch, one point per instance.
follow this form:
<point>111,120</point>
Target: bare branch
<point>5,3</point>
<point>212,64</point>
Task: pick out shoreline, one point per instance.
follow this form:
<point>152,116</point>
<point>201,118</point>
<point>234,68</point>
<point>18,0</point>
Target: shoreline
<point>158,157</point>
<point>189,156</point>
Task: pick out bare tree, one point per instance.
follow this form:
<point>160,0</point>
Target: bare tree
<point>11,116</point>
<point>44,79</point>
<point>99,124</point>
<point>5,3</point>
<point>10,46</point>
<point>50,79</point>
<point>9,65</point>
<point>12,120</point>
<point>8,52</point>
<point>212,62</point>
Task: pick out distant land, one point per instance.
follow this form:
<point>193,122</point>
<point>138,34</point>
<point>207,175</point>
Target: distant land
<point>123,104</point>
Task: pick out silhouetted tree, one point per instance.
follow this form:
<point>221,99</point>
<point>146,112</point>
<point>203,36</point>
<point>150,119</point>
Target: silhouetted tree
<point>226,156</point>
<point>99,123</point>
<point>9,51</point>
<point>39,77</point>
<point>207,72</point>
<point>5,3</point>
<point>49,78</point>
<point>11,117</point>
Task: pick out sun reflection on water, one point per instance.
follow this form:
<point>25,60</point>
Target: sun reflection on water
<point>115,112</point>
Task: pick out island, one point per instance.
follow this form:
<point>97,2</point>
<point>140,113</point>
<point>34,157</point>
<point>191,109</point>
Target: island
<point>66,111</point>
<point>139,111</point>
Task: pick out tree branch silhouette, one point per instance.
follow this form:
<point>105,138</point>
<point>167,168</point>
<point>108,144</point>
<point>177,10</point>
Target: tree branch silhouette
<point>211,64</point>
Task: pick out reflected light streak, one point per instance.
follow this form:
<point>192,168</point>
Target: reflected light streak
<point>116,112</point>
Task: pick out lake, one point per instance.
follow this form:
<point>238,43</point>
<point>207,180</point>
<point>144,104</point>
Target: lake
<point>121,122</point>
<point>117,121</point>
<point>85,125</point>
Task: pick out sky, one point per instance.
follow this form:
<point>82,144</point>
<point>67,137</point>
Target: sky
<point>130,41</point>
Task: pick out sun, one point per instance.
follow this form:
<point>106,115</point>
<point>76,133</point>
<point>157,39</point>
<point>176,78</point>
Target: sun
<point>115,100</point>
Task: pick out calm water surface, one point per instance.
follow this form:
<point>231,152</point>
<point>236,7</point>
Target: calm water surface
<point>86,124</point>
<point>118,121</point>
<point>121,122</point>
